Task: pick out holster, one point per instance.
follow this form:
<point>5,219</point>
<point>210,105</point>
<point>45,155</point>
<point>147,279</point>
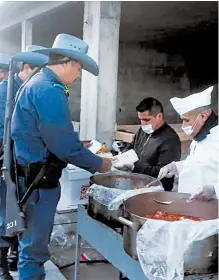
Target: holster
<point>50,179</point>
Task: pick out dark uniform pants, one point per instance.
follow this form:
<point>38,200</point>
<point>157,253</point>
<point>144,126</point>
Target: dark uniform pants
<point>33,243</point>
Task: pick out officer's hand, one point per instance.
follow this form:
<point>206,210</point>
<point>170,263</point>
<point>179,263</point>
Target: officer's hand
<point>87,144</point>
<point>168,171</point>
<point>205,193</point>
<point>106,166</point>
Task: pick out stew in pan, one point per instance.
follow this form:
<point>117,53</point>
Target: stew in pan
<point>161,215</point>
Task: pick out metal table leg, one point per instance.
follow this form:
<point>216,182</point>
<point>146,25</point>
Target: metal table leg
<point>112,250</point>
<point>121,276</point>
<point>77,257</point>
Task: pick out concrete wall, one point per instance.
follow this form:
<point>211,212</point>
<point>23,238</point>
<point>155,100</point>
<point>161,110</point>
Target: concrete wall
<point>10,40</point>
<point>144,73</point>
<point>140,76</point>
<point>7,47</point>
<point>75,101</point>
<point>214,94</point>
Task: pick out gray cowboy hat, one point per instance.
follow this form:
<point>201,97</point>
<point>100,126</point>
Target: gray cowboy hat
<point>73,48</point>
<point>4,61</point>
<point>31,57</point>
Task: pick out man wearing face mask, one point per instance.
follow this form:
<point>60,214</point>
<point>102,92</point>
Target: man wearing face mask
<point>198,173</point>
<point>155,143</point>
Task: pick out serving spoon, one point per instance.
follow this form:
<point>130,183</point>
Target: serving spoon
<point>163,202</point>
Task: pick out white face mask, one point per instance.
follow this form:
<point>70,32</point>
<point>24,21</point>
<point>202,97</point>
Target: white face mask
<point>148,128</point>
<point>189,130</point>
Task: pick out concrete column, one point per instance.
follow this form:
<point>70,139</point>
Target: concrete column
<point>26,34</point>
<point>99,94</point>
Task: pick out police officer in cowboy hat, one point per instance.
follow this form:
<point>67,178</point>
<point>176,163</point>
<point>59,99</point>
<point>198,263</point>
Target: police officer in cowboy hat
<point>198,173</point>
<point>30,61</point>
<point>42,130</point>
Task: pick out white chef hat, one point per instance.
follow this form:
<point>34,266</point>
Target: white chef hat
<point>192,102</point>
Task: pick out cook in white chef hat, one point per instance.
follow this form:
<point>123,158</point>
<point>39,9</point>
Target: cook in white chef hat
<point>194,110</point>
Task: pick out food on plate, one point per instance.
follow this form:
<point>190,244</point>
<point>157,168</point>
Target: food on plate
<point>161,215</point>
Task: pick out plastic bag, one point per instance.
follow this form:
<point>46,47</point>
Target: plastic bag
<point>113,198</point>
<point>161,246</point>
<point>103,194</point>
<point>63,241</point>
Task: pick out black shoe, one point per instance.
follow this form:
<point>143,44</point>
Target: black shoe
<point>6,276</point>
<point>4,273</point>
<point>12,264</point>
<point>12,261</point>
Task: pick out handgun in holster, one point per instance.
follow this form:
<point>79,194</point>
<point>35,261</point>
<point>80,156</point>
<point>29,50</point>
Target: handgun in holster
<point>41,175</point>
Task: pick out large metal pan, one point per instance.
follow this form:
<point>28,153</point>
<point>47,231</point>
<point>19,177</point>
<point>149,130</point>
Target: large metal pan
<point>125,181</point>
<point>202,256</point>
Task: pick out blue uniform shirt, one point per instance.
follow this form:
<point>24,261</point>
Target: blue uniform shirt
<point>3,98</point>
<point>41,123</point>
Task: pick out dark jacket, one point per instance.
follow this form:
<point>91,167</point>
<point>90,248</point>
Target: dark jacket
<point>155,151</point>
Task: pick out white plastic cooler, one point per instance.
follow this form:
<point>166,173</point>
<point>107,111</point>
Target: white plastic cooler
<point>74,184</point>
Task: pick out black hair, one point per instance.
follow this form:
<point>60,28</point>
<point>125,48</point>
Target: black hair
<point>55,59</point>
<point>32,66</point>
<point>150,104</point>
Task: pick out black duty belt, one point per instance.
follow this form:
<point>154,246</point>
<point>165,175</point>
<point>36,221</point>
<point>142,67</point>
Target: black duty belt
<point>40,175</point>
<point>49,174</point>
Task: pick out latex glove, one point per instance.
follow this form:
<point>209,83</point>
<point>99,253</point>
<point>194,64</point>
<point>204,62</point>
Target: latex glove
<point>204,193</point>
<point>168,171</point>
<point>126,167</point>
